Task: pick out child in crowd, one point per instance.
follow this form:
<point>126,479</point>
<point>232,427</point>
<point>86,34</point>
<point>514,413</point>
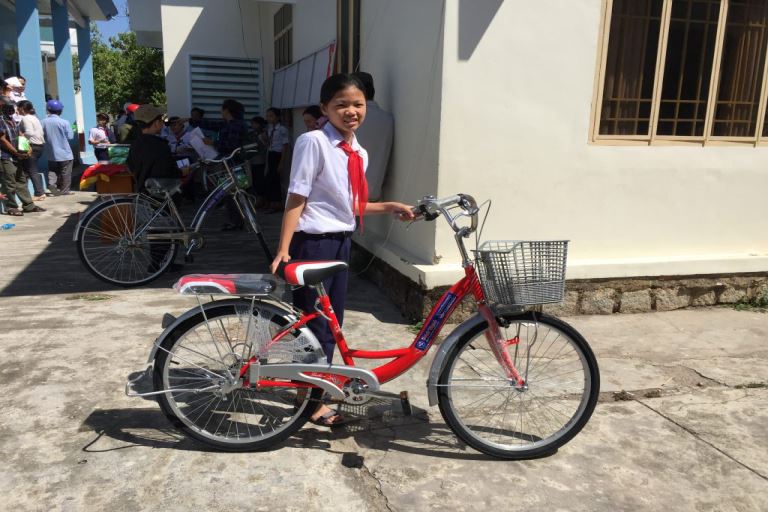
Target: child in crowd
<point>279,143</point>
<point>101,135</point>
<point>327,189</point>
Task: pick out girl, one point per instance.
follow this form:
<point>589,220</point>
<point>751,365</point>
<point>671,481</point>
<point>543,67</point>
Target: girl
<point>279,141</point>
<point>327,188</point>
<point>102,136</point>
<point>31,128</point>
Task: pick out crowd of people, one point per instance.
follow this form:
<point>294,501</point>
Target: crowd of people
<point>24,140</point>
<point>158,144</point>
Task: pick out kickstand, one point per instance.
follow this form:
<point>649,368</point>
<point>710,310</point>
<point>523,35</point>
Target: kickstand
<point>405,403</point>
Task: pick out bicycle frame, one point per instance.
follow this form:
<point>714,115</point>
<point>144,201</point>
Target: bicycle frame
<point>402,358</point>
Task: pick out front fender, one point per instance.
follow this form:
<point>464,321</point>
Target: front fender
<point>272,308</point>
<point>446,347</point>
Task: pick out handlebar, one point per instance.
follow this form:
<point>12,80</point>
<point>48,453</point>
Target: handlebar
<point>246,147</point>
<point>430,208</point>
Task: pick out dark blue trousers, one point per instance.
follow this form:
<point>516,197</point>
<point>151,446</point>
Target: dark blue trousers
<point>328,248</point>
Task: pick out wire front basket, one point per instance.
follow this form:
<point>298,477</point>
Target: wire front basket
<point>522,273</point>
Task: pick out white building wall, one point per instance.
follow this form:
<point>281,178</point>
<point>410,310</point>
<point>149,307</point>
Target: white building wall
<point>517,89</point>
<point>222,28</point>
<point>402,47</point>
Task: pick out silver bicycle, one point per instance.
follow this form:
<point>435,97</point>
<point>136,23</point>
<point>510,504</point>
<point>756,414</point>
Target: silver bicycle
<point>131,239</point>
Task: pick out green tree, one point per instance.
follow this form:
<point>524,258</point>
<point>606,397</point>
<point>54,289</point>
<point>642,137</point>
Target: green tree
<point>124,72</point>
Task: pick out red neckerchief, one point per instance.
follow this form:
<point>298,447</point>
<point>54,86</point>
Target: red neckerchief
<point>357,180</point>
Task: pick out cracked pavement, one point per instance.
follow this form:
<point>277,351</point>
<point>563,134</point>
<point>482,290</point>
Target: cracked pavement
<point>690,431</point>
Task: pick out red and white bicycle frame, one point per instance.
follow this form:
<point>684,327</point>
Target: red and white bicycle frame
<point>402,359</point>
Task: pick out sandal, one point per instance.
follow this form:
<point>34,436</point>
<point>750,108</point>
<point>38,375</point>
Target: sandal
<point>15,212</point>
<point>36,209</point>
<point>329,419</point>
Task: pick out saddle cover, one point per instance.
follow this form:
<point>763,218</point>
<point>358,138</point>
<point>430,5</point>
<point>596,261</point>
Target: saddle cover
<point>260,285</point>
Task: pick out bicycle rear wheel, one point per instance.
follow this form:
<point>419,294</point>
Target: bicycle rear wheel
<point>493,415</point>
<point>114,243</point>
<point>198,365</point>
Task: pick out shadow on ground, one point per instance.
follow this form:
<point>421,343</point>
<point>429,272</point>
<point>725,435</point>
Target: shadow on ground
<point>377,425</point>
<point>58,269</point>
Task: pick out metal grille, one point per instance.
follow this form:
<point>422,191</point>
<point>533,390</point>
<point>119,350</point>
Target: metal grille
<point>688,67</point>
<point>214,79</point>
<point>522,272</point>
<point>630,67</point>
<point>741,70</point>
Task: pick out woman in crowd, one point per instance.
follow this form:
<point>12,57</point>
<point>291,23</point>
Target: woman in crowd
<point>313,118</point>
<point>31,128</point>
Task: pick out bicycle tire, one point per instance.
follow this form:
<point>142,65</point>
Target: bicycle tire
<point>228,424</point>
<point>107,230</point>
<point>478,416</point>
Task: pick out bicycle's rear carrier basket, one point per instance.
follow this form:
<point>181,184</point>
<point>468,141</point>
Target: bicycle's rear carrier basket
<point>522,272</point>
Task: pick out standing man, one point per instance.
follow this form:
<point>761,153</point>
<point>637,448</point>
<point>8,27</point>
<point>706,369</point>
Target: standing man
<point>375,135</point>
<point>12,176</point>
<point>58,133</point>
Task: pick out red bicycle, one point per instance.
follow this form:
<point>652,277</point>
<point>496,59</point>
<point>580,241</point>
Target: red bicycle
<point>244,372</point>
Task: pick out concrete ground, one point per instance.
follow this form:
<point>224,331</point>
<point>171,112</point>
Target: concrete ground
<point>690,433</point>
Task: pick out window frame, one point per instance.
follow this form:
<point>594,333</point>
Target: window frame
<point>707,139</point>
<point>283,36</point>
<point>348,41</point>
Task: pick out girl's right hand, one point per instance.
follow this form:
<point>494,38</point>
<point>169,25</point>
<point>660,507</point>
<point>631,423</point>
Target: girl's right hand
<point>282,257</point>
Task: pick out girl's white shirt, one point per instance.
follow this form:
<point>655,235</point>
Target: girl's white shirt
<point>319,173</point>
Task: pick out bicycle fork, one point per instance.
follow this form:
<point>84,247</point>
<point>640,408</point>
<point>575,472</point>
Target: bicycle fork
<point>498,345</point>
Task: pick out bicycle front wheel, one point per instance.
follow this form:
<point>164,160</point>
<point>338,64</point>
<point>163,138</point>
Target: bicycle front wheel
<point>493,414</point>
<point>115,241</point>
<point>198,365</point>
<point>248,206</point>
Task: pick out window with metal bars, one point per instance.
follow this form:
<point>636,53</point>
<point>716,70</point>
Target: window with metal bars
<point>283,30</point>
<point>689,70</point>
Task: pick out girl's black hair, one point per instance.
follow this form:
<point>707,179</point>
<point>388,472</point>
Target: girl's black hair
<point>102,115</point>
<point>335,83</point>
<point>314,111</point>
<point>26,106</point>
<point>259,121</point>
<point>234,107</point>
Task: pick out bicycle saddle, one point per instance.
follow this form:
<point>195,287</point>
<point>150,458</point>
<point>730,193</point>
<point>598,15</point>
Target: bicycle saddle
<point>158,186</point>
<point>301,272</point>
